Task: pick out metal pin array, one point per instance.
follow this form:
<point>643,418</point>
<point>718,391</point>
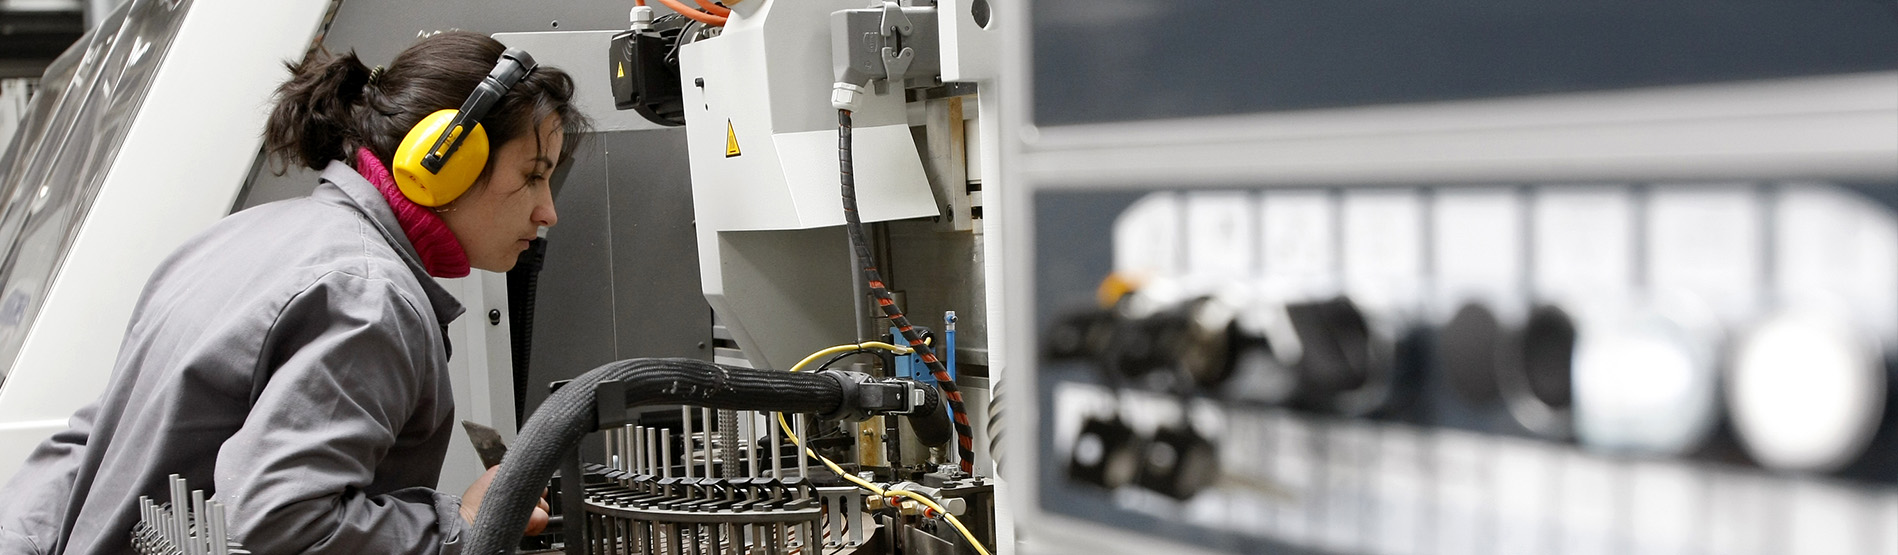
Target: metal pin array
<point>728,492</point>
<point>177,529</point>
<point>647,514</point>
<point>748,445</point>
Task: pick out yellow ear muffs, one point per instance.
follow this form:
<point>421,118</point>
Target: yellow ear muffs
<point>458,171</point>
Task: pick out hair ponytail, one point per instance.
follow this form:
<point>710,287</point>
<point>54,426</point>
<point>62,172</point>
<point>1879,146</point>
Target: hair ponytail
<point>334,105</point>
<point>315,117</point>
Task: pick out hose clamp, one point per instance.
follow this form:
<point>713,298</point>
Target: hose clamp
<point>864,396</point>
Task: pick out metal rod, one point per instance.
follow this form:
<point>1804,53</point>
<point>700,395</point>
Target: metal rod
<point>198,517</point>
<point>803,463</point>
<point>751,439</point>
<point>651,440</point>
<point>161,525</point>
<point>629,449</point>
<point>165,525</point>
<point>685,419</point>
<point>665,453</point>
<point>220,535</point>
<point>705,416</point>
<point>611,452</point>
<point>639,450</point>
<point>777,446</point>
<point>144,517</point>
<point>178,524</point>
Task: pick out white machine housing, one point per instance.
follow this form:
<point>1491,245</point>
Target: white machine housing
<point>762,139</point>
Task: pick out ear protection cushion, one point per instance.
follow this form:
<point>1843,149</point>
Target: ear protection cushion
<point>458,173</point>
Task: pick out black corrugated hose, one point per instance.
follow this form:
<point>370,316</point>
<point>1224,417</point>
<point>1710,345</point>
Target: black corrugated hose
<point>570,414</point>
<point>853,225</point>
<point>522,281</point>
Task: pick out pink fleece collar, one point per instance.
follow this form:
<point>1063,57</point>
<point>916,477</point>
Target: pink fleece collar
<point>441,253</point>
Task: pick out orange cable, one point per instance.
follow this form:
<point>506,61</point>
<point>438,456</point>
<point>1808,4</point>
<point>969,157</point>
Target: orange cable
<point>715,9</point>
<point>696,15</point>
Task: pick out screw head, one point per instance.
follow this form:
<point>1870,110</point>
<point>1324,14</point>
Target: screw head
<point>494,317</point>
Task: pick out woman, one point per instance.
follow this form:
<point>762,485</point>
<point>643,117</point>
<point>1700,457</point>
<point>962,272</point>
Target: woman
<point>293,358</point>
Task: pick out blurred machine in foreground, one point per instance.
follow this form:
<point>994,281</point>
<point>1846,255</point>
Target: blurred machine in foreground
<point>1391,278</point>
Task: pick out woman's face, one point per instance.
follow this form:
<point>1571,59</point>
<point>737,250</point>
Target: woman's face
<point>496,218</point>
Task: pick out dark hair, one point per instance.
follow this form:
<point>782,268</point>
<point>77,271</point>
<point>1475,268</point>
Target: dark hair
<point>333,105</point>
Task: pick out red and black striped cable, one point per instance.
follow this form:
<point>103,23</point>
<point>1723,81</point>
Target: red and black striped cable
<point>853,225</point>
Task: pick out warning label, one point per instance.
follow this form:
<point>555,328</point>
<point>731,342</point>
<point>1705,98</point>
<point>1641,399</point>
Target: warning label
<point>731,140</point>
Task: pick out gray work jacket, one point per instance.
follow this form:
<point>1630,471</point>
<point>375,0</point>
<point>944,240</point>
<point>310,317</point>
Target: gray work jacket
<point>292,359</point>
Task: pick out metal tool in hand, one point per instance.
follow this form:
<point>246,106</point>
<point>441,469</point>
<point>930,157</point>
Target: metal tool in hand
<point>487,443</point>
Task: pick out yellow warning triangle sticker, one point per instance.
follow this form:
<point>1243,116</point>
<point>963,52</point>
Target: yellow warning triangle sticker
<point>731,140</point>
<point>622,69</point>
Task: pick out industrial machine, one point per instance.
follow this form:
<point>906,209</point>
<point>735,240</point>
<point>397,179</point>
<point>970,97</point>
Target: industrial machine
<point>831,172</point>
<point>1267,277</point>
<point>1394,278</point>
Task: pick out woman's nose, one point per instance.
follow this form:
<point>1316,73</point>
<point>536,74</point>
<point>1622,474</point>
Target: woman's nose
<point>544,214</point>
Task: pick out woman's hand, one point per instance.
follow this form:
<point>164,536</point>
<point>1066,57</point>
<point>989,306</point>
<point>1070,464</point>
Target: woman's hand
<point>471,504</point>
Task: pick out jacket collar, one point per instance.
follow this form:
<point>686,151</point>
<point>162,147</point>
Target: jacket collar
<point>341,184</point>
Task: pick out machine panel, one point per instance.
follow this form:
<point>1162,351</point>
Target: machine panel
<point>1155,59</point>
<point>1452,278</point>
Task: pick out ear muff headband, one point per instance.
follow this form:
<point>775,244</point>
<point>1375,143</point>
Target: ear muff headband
<point>426,165</point>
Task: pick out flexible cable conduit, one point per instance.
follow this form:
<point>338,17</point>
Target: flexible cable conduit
<point>853,225</point>
<point>569,415</point>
